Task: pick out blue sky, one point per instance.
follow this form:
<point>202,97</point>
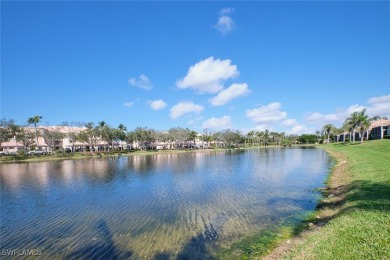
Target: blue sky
<point>284,66</point>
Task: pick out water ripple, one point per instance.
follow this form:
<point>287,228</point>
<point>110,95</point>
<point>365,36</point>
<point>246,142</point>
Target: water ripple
<point>175,205</point>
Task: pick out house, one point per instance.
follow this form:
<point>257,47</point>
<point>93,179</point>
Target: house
<point>343,136</point>
<point>380,129</point>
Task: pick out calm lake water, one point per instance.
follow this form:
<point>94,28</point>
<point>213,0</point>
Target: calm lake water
<point>155,206</point>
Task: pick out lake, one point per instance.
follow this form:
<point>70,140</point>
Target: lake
<point>158,206</point>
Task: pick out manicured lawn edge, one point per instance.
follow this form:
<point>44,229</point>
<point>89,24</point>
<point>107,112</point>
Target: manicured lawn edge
<point>353,219</point>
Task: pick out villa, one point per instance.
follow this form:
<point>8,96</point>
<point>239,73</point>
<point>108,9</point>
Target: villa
<point>378,130</point>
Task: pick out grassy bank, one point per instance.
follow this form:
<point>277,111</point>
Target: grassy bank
<point>353,221</point>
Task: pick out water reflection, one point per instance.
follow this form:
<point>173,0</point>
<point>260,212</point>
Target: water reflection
<point>163,205</point>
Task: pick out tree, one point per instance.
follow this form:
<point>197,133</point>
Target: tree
<point>250,136</point>
<point>192,136</point>
<point>129,138</point>
<point>362,122</point>
<point>327,129</point>
<point>260,136</point>
<point>89,135</point>
<point>35,120</point>
<point>307,139</point>
<point>5,132</point>
<point>376,118</point>
<point>52,137</point>
<point>121,135</point>
<point>352,123</point>
<point>25,137</point>
<point>206,137</point>
<point>107,134</point>
<point>266,137</point>
<point>143,136</point>
<point>71,132</point>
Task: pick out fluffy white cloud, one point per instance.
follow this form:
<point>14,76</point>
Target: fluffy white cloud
<point>227,95</point>
<point>143,82</point>
<point>380,106</point>
<point>183,108</point>
<point>318,117</point>
<point>207,75</point>
<point>350,110</point>
<point>379,100</point>
<point>128,104</point>
<point>289,122</point>
<point>262,127</point>
<point>300,129</point>
<point>225,24</point>
<point>157,104</point>
<point>218,123</point>
<point>267,114</point>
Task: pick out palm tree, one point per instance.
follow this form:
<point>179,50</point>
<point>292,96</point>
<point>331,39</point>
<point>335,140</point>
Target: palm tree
<point>122,127</point>
<point>362,122</point>
<point>327,129</point>
<point>250,136</point>
<point>260,135</point>
<point>352,123</point>
<point>122,135</point>
<point>192,136</point>
<point>266,136</point>
<point>35,120</point>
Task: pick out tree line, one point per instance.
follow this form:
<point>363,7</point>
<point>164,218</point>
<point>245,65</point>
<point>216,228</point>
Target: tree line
<point>111,138</point>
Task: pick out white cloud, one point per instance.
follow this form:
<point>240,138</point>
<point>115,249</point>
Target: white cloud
<point>350,110</point>
<point>261,127</point>
<point>234,91</point>
<point>207,76</point>
<point>316,117</point>
<point>157,104</point>
<point>379,100</point>
<point>300,129</point>
<point>183,108</point>
<point>225,24</point>
<point>143,82</point>
<point>193,121</point>
<point>289,122</point>
<point>218,123</point>
<point>225,11</point>
<point>267,114</point>
<point>378,106</point>
<point>128,104</point>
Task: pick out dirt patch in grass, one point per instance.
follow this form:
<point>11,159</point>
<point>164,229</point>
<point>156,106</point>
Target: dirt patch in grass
<point>334,198</point>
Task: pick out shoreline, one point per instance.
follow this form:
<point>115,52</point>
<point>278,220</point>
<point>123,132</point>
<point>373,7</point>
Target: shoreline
<point>72,156</point>
<point>334,195</point>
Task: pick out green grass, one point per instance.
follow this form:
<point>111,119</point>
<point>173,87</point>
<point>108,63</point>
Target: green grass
<point>361,229</point>
<point>258,245</point>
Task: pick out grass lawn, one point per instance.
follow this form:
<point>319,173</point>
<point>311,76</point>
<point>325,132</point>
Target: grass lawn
<point>361,227</point>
